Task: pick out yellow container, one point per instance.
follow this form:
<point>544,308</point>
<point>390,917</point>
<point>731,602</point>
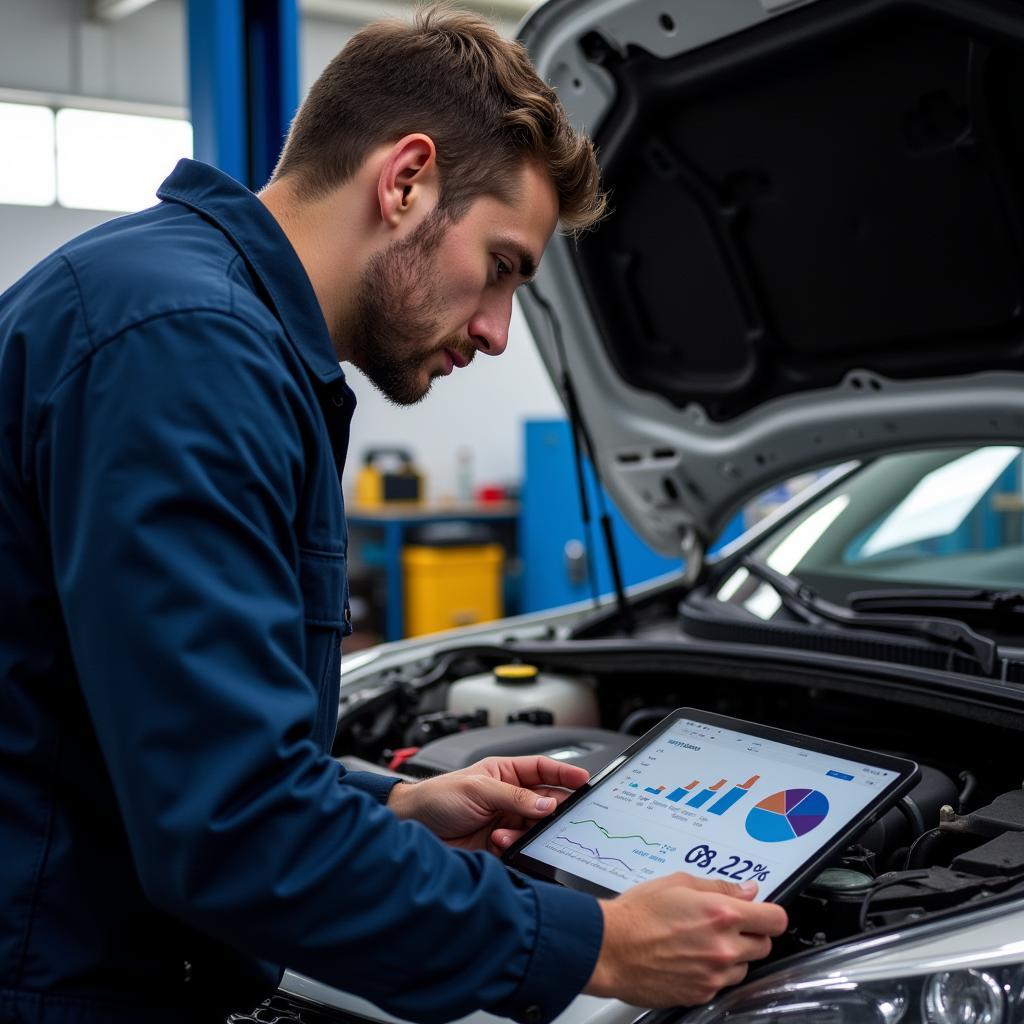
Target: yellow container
<point>447,587</point>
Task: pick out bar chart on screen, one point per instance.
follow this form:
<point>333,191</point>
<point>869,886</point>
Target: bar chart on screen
<point>691,795</point>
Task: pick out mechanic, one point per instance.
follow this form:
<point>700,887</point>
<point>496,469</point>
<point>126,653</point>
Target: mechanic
<point>173,582</point>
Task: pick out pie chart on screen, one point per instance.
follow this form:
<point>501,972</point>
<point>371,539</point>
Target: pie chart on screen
<point>786,815</point>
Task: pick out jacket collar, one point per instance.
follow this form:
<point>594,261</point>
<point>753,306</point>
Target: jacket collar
<point>265,247</point>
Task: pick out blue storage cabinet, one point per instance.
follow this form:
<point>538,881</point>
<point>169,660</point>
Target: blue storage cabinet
<point>550,518</point>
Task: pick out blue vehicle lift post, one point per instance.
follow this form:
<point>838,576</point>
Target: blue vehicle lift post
<point>243,83</point>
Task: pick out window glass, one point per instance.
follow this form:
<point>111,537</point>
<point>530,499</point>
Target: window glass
<point>952,517</point>
<point>116,161</point>
<point>26,155</point>
<point>939,513</point>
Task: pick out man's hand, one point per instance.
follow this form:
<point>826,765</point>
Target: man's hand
<point>490,804</point>
<point>676,941</point>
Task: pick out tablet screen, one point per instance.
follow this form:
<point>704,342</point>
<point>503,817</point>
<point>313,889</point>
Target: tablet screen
<point>711,801</point>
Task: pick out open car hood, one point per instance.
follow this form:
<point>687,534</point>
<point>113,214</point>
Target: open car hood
<point>815,245</point>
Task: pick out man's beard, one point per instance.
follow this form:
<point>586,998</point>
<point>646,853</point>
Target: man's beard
<point>397,309</point>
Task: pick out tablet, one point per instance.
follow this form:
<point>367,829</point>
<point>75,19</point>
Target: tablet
<point>715,797</point>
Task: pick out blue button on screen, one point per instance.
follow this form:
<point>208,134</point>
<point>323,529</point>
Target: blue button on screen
<point>840,775</point>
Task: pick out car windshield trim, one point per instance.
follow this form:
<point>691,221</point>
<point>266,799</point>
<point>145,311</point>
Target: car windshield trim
<point>913,599</point>
<point>802,601</point>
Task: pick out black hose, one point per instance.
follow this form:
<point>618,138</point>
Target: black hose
<point>970,785</point>
<point>912,813</point>
<point>630,722</point>
<point>391,693</point>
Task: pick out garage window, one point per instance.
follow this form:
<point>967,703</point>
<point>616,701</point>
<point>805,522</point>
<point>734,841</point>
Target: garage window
<point>86,159</point>
<point>27,172</point>
<point>111,161</point>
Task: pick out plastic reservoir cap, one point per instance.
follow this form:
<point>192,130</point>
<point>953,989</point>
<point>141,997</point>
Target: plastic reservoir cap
<point>841,879</point>
<point>515,673</point>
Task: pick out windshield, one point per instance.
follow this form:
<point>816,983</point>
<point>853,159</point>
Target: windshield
<point>942,518</point>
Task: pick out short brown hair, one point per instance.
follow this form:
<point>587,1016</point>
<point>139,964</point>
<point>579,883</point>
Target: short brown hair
<point>451,76</point>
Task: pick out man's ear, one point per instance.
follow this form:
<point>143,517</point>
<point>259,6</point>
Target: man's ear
<point>408,186</point>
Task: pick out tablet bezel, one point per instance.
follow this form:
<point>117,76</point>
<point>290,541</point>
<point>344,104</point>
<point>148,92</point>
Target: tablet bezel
<point>907,774</point>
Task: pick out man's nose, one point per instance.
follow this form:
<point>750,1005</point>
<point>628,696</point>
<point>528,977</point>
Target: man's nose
<point>488,328</point>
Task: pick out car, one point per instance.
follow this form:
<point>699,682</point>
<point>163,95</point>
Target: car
<point>814,263</point>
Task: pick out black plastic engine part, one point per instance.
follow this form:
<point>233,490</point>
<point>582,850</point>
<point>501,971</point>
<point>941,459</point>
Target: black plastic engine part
<point>894,831</point>
<point>829,908</point>
<point>431,727</point>
<point>901,896</point>
<point>1003,855</point>
<point>1004,814</point>
<point>642,719</point>
<point>590,748</point>
<point>860,858</point>
<point>531,716</point>
<point>288,1008</point>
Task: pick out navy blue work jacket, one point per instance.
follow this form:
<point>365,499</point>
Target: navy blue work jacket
<point>172,600</point>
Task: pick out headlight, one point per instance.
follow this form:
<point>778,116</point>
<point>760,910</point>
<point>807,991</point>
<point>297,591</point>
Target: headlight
<point>966,971</point>
<point>968,997</point>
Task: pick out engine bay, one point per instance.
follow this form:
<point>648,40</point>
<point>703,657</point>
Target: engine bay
<point>954,841</point>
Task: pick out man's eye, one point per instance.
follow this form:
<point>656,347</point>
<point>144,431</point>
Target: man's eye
<point>501,266</point>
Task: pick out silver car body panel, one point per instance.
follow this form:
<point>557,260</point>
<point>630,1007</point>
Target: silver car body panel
<point>582,1010</point>
<point>675,472</point>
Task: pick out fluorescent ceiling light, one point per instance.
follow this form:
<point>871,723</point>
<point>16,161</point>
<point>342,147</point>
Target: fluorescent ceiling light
<point>116,161</point>
<point>114,10</point>
<point>27,175</point>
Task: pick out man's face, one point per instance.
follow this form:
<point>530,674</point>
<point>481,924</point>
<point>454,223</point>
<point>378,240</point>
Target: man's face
<point>426,304</point>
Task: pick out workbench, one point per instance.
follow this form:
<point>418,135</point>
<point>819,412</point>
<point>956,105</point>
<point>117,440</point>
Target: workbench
<point>397,519</point>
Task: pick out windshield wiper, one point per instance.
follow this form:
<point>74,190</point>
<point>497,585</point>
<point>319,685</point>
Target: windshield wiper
<point>803,602</point>
<point>922,599</point>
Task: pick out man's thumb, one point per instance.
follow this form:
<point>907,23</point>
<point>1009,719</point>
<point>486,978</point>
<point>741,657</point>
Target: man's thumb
<point>503,796</point>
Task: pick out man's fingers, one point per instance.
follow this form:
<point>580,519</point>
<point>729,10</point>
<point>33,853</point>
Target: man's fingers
<point>553,791</point>
<point>741,890</point>
<point>734,975</point>
<point>503,838</point>
<point>513,826</point>
<point>763,919</point>
<point>509,799</point>
<point>537,770</point>
<point>771,920</point>
<point>755,947</point>
<point>755,918</point>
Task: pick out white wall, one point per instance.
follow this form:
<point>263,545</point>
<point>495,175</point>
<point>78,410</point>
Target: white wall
<point>319,40</point>
<point>50,47</point>
<point>28,233</point>
<point>481,407</point>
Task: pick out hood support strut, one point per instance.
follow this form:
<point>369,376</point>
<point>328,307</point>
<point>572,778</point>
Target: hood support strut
<point>581,442</point>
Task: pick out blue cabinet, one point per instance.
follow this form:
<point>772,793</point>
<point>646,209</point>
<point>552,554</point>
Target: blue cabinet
<point>550,519</point>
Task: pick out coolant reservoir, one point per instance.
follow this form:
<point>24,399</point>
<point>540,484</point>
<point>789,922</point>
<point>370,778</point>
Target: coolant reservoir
<point>511,688</point>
